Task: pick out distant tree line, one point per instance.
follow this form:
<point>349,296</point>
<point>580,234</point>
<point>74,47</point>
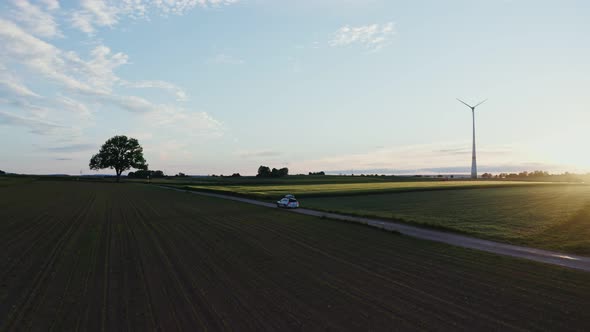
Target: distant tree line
<point>2,172</point>
<point>266,172</point>
<point>317,173</point>
<point>524,174</point>
<point>234,175</point>
<point>144,174</point>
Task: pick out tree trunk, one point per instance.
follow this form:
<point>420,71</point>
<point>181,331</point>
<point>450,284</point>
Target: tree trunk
<point>118,175</point>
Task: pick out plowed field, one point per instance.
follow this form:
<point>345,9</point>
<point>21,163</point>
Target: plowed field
<point>98,256</point>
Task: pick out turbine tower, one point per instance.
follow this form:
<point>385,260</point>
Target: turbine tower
<point>473,157</point>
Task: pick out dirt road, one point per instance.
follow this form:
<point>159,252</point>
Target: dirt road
<point>537,255</point>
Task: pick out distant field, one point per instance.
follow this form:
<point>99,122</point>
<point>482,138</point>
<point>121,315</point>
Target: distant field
<point>249,180</point>
<point>288,180</point>
<point>106,257</point>
<point>339,189</point>
<point>11,180</point>
<point>553,217</point>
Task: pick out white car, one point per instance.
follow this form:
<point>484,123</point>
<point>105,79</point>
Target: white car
<point>289,202</point>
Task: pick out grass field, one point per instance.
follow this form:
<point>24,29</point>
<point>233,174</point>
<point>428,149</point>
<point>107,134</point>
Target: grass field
<point>99,256</point>
<point>344,189</point>
<point>553,217</point>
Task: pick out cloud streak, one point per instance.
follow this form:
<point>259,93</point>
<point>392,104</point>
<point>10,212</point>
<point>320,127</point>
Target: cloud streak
<point>12,85</point>
<point>81,147</point>
<point>35,125</point>
<point>162,85</point>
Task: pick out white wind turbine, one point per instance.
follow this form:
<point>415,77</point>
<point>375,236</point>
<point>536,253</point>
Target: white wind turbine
<point>473,157</point>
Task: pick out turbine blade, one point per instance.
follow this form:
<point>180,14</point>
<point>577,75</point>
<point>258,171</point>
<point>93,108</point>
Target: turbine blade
<point>480,103</point>
<point>464,103</point>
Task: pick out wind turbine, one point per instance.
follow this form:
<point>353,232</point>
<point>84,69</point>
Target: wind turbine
<point>473,158</point>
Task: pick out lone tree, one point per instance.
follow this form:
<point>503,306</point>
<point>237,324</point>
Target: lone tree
<point>119,153</point>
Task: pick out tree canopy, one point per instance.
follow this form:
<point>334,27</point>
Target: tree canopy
<point>263,171</point>
<point>119,153</point>
<point>266,172</point>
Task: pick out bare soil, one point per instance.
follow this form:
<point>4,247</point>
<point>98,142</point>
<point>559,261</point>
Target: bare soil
<point>100,256</point>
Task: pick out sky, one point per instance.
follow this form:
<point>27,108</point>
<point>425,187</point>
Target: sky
<point>363,86</point>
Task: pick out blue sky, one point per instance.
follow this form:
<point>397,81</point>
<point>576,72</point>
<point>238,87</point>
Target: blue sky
<point>222,86</point>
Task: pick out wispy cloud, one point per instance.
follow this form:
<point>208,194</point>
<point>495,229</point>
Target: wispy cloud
<point>185,123</point>
<point>50,4</point>
<point>35,19</point>
<point>177,91</point>
<point>35,125</point>
<point>133,104</point>
<point>95,14</point>
<point>70,148</point>
<point>12,85</point>
<point>82,81</point>
<point>66,68</point>
<point>73,105</point>
<point>373,37</point>
<point>417,157</point>
<point>182,6</point>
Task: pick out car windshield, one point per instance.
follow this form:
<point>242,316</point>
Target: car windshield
<point>292,201</point>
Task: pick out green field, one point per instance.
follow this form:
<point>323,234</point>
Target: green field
<point>341,189</point>
<point>106,256</point>
<point>553,217</point>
